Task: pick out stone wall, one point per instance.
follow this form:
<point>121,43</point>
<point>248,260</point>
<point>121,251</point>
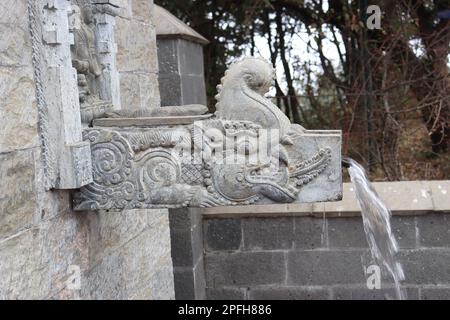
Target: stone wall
<point>42,241</point>
<point>319,251</point>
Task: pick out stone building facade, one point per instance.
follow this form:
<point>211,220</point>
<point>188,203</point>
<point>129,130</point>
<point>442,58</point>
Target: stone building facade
<point>48,251</point>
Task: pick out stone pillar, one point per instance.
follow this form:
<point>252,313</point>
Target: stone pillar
<point>180,56</point>
<point>187,253</point>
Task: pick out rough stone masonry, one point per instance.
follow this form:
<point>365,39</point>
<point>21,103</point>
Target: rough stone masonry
<point>43,243</point>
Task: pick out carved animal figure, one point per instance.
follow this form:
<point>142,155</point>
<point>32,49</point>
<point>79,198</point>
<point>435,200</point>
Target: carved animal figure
<point>241,95</point>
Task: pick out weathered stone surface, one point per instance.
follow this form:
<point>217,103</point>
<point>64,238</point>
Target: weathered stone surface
<point>18,110</point>
<point>170,89</point>
<point>184,218</point>
<point>17,192</point>
<point>244,269</point>
<point>120,255</point>
<point>346,233</point>
<point>404,230</point>
<point>434,230</point>
<point>147,263</point>
<point>139,91</point>
<point>225,294</point>
<point>361,293</point>
<point>15,44</point>
<point>426,266</point>
<point>184,283</point>
<point>193,89</point>
<point>325,267</point>
<point>222,234</point>
<point>200,280</point>
<point>309,233</point>
<point>181,241</point>
<point>167,56</point>
<point>190,58</point>
<point>142,10</point>
<point>111,230</point>
<point>63,244</point>
<point>267,233</point>
<point>22,275</point>
<point>140,269</point>
<point>289,293</point>
<point>440,190</point>
<point>136,47</point>
<point>436,293</point>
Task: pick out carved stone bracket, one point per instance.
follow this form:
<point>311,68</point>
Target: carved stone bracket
<point>247,153</point>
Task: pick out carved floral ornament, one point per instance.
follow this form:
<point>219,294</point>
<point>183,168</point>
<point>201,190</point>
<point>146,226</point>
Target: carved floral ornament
<point>248,152</point>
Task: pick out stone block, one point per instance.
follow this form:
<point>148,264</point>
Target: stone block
<point>190,57</point>
<point>105,280</point>
<point>225,294</point>
<point>170,90</point>
<point>245,269</point>
<point>143,259</point>
<point>289,293</point>
<point>309,233</point>
<point>193,89</point>
<point>400,197</point>
<point>200,280</point>
<point>222,234</point>
<point>182,253</point>
<point>184,218</point>
<point>17,192</point>
<point>136,45</point>
<point>161,285</point>
<point>346,233</point>
<point>426,266</point>
<point>197,243</point>
<point>404,229</point>
<point>184,283</point>
<point>413,196</point>
<point>149,91</point>
<point>142,10</point>
<point>63,245</point>
<point>139,91</point>
<point>18,109</point>
<point>434,230</point>
<point>268,233</point>
<point>440,191</point>
<point>168,56</point>
<point>111,230</point>
<point>362,293</point>
<point>15,45</point>
<point>22,273</point>
<point>437,293</point>
<point>319,267</point>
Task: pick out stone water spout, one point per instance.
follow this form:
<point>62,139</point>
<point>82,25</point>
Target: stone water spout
<point>248,152</point>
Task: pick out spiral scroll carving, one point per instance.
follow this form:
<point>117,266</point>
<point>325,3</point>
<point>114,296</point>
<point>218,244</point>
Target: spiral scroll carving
<point>112,161</point>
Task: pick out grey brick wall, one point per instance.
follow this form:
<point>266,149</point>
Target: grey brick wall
<point>301,257</point>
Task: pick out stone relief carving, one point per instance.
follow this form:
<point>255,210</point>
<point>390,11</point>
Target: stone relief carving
<point>95,90</point>
<point>57,97</point>
<point>216,161</point>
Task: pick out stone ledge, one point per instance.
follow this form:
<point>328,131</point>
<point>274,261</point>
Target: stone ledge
<point>402,197</point>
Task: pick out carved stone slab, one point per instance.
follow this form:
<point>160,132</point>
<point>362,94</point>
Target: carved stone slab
<point>248,153</point>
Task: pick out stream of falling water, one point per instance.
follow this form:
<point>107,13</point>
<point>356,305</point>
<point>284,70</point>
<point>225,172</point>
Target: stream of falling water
<point>376,219</point>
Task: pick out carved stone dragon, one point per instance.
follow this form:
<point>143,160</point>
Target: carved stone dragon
<point>215,161</point>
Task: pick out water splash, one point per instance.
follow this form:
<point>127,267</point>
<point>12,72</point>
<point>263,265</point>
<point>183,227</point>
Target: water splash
<point>376,219</point>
